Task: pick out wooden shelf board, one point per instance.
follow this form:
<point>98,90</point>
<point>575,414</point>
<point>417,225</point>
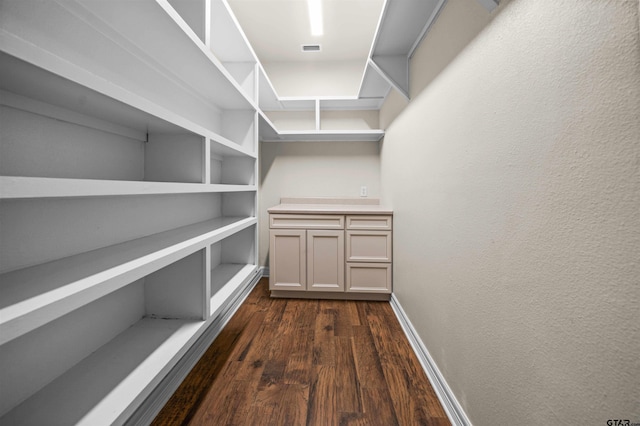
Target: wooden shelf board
<point>226,278</point>
<point>33,296</point>
<point>108,385</point>
<point>19,187</point>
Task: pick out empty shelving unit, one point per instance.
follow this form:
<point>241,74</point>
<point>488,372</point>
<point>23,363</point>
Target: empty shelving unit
<point>128,180</point>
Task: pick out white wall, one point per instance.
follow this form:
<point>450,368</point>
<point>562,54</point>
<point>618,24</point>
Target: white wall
<point>300,79</point>
<point>313,169</point>
<point>446,39</point>
<point>515,181</point>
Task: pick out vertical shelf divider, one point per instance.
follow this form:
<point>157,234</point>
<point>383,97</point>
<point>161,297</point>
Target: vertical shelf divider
<point>206,161</point>
<point>206,302</point>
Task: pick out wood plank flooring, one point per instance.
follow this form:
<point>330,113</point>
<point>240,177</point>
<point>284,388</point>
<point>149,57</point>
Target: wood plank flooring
<point>306,362</point>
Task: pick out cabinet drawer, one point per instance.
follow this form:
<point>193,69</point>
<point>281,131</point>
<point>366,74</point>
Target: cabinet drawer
<point>369,246</point>
<point>306,221</point>
<point>369,277</point>
<point>369,222</point>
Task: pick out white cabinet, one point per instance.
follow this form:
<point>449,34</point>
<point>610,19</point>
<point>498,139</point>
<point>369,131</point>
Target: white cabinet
<point>128,171</point>
<point>311,255</point>
<point>306,252</point>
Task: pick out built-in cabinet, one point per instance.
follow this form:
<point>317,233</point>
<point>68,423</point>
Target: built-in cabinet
<point>307,252</point>
<point>128,201</point>
<point>323,254</point>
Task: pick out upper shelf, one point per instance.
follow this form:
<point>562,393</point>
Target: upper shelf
<point>216,26</point>
<point>140,46</point>
<point>373,83</point>
<point>268,133</point>
<point>267,97</point>
<point>327,136</point>
<point>28,87</point>
<point>20,187</point>
<point>402,26</point>
<point>225,37</point>
<point>269,101</point>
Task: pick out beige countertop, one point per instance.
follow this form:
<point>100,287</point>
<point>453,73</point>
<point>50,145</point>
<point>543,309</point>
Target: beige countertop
<point>330,206</point>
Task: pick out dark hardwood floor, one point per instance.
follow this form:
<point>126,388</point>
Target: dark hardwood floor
<point>306,362</point>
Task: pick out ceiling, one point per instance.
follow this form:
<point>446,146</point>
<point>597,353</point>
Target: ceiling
<point>277,29</point>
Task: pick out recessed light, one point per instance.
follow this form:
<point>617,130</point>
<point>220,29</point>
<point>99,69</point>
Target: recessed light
<point>315,17</point>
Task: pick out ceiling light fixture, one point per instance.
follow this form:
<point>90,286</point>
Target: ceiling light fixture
<point>315,17</point>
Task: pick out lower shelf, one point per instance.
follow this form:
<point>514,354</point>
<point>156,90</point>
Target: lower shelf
<point>33,296</point>
<point>108,385</point>
<point>226,278</point>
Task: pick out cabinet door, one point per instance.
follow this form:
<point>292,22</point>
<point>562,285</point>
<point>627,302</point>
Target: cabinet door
<point>287,259</point>
<point>325,260</point>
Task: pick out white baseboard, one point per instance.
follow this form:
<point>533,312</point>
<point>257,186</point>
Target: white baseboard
<point>448,400</point>
<point>265,271</point>
<point>150,408</point>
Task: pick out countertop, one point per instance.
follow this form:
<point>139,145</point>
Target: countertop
<point>331,206</point>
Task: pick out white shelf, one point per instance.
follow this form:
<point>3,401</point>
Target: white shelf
<point>332,135</point>
<point>15,187</point>
<point>33,296</point>
<point>348,104</point>
<point>269,133</point>
<point>325,136</point>
<point>298,104</point>
<point>402,26</point>
<point>115,113</point>
<point>227,41</point>
<point>156,29</point>
<point>79,100</point>
<point>267,98</point>
<point>374,84</point>
<point>226,278</point>
<point>108,385</point>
